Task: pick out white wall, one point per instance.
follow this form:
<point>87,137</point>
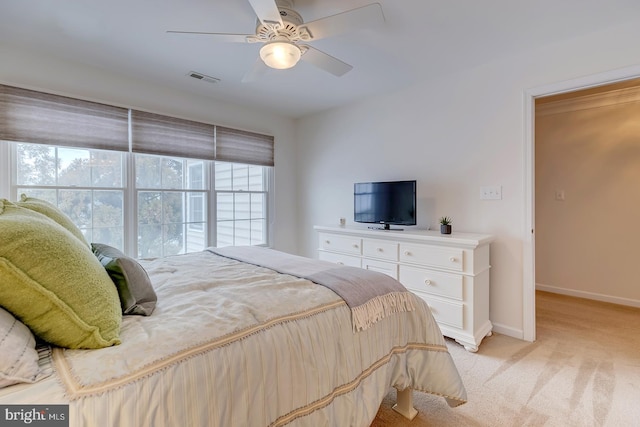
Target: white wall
<point>41,72</point>
<point>453,134</point>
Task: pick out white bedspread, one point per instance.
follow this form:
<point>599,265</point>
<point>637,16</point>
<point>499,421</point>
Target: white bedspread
<point>233,344</point>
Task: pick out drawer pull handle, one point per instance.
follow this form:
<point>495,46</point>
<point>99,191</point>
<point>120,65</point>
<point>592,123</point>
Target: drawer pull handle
<point>328,242</point>
<point>355,245</point>
<point>452,259</point>
<point>340,263</point>
<point>380,250</point>
<point>427,282</point>
<point>407,253</point>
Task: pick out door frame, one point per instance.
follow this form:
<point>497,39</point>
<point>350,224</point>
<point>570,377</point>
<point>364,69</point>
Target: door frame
<point>529,279</point>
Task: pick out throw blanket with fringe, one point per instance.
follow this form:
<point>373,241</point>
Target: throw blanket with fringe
<point>370,295</point>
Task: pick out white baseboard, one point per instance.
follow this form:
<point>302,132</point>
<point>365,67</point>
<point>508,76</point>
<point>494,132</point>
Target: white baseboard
<point>588,295</point>
<point>508,331</point>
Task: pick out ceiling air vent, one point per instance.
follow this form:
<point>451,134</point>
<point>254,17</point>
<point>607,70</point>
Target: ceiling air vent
<point>203,77</point>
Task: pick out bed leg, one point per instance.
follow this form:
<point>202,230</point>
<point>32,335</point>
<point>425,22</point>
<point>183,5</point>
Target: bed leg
<point>405,404</point>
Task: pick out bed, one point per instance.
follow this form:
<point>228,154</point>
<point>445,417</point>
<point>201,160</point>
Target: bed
<point>238,339</point>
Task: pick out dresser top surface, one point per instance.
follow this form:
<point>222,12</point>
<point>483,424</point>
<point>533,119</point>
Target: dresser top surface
<point>433,236</point>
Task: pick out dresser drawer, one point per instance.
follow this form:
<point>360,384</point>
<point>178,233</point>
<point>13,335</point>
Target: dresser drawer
<point>446,312</point>
<point>449,258</point>
<point>337,243</point>
<point>432,282</point>
<point>380,249</point>
<point>340,259</point>
<point>388,268</point>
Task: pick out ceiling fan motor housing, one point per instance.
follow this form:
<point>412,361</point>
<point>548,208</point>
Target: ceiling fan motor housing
<point>291,20</point>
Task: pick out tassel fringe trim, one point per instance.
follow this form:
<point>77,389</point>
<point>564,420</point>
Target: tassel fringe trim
<point>365,315</point>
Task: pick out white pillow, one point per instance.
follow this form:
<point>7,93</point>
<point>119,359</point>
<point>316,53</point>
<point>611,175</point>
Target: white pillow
<point>19,361</point>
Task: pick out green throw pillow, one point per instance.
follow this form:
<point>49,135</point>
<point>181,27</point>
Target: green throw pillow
<point>53,283</point>
<point>52,212</point>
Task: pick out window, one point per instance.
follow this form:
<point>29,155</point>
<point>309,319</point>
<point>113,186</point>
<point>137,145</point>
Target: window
<point>148,184</point>
<point>87,185</point>
<point>197,201</point>
<point>171,205</point>
<point>172,197</point>
<point>241,201</point>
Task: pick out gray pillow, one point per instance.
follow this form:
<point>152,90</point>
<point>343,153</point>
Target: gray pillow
<point>19,360</point>
<point>134,287</point>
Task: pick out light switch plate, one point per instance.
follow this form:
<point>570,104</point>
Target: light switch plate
<point>491,192</point>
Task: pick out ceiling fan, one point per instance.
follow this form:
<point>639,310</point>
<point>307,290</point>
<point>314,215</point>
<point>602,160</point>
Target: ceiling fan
<point>285,35</point>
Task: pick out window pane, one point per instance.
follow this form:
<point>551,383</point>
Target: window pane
<point>106,169</point>
<point>173,239</point>
<point>77,205</point>
<point>74,168</point>
<point>149,207</point>
<point>49,195</point>
<point>256,178</point>
<point>258,203</point>
<point>113,236</point>
<point>242,233</point>
<point>196,237</point>
<point>36,164</point>
<point>173,207</point>
<point>147,171</point>
<point>108,208</point>
<point>172,170</point>
<point>196,175</point>
<point>240,177</point>
<point>149,241</point>
<point>224,233</point>
<point>242,206</point>
<point>196,213</point>
<point>224,206</point>
<point>223,176</point>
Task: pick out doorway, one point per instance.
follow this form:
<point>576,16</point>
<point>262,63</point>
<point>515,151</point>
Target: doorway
<point>586,83</point>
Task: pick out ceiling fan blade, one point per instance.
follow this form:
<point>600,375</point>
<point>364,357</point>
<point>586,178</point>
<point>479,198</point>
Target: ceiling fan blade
<point>267,11</point>
<point>222,37</point>
<point>324,61</point>
<point>361,17</point>
<point>258,69</point>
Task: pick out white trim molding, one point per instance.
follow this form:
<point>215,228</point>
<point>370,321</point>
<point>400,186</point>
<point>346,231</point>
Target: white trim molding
<point>589,295</point>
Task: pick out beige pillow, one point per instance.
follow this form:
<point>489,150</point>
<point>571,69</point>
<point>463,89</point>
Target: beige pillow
<point>19,360</point>
<point>53,283</point>
<point>52,211</point>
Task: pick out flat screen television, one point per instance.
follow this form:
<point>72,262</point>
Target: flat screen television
<point>387,203</point>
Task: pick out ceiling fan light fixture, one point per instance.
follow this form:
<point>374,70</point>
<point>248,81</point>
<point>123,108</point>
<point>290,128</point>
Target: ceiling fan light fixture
<point>280,54</point>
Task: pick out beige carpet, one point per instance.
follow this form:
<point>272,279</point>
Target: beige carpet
<point>583,370</point>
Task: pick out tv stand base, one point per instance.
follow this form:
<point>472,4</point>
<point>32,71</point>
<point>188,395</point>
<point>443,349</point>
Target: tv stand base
<point>386,228</point>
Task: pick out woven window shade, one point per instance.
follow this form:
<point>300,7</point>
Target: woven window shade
<point>239,146</point>
<point>170,136</point>
<point>42,118</point>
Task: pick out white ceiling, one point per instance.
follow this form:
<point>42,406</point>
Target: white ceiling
<point>420,38</point>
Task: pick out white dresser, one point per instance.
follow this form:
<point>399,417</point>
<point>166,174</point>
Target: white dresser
<point>450,272</point>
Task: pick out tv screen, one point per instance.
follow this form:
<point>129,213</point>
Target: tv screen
<point>387,203</point>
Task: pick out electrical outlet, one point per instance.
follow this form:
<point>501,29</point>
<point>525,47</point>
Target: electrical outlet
<point>491,192</point>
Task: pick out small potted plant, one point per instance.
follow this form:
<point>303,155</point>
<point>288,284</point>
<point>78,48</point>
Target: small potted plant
<point>445,225</point>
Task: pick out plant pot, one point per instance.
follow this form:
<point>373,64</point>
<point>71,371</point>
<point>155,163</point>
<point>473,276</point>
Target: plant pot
<point>445,229</point>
